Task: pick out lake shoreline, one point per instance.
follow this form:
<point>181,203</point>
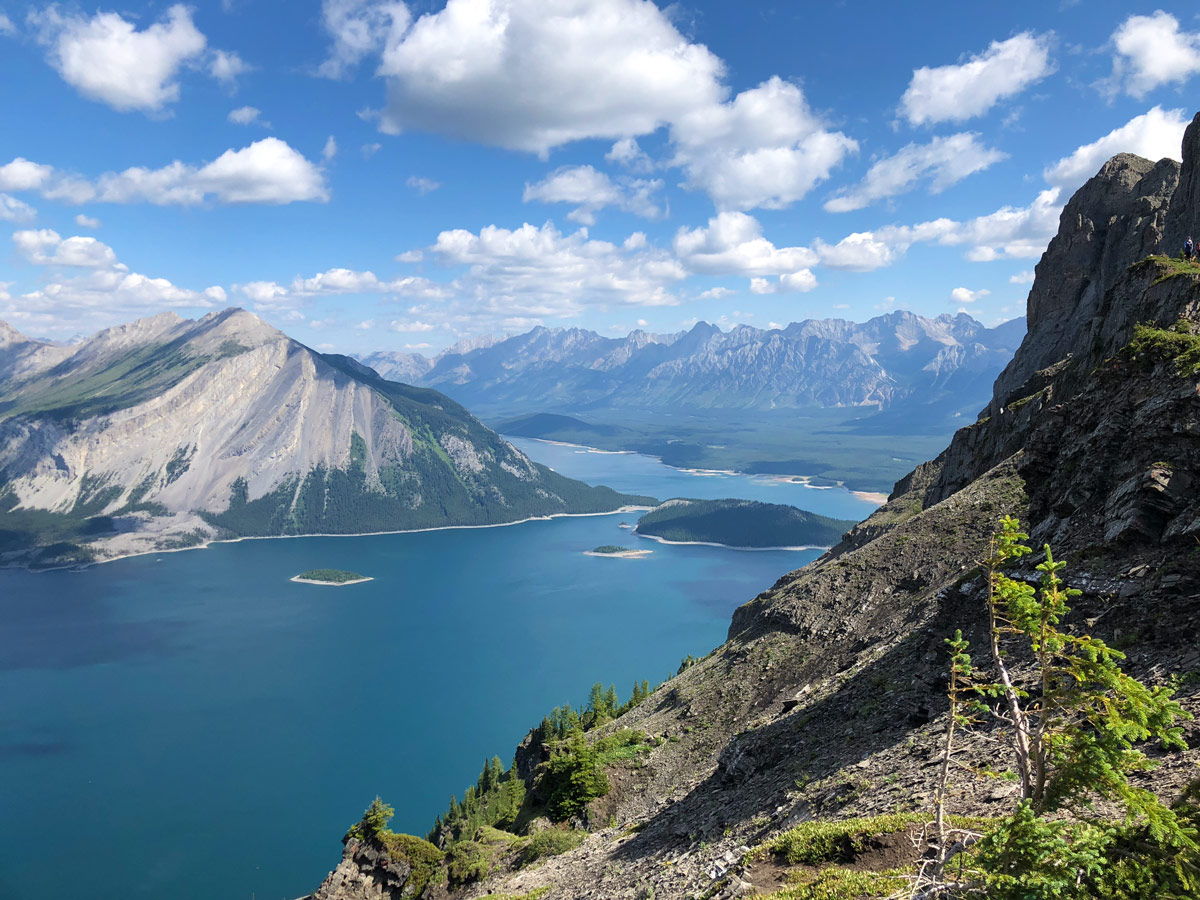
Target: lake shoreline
<point>204,545</point>
<point>662,540</point>
<point>877,497</point>
<point>626,554</point>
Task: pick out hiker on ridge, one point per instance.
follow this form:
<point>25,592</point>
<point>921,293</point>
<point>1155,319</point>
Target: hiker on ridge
<point>1189,249</point>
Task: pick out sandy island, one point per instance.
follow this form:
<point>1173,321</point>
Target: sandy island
<point>299,580</point>
<point>625,554</point>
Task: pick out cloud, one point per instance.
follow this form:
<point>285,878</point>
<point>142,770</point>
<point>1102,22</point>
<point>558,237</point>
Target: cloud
<point>267,171</point>
<point>536,272</point>
<point>732,244</point>
<point>1152,51</point>
<point>1023,277</point>
<point>966,295</point>
<point>764,149</point>
<point>1155,134</point>
<point>86,221</point>
<point>944,161</point>
<point>410,256</point>
<point>330,149</point>
<point>716,293</point>
<point>226,67</point>
<point>358,28</point>
<point>412,327</point>
<point>14,210</point>
<point>956,93</point>
<point>106,59</point>
<point>795,283</point>
<point>7,28</point>
<point>422,185</point>
<point>532,75</point>
<point>105,292</point>
<point>859,252</point>
<point>369,150</point>
<point>590,191</point>
<point>270,295</point>
<point>247,115</point>
<point>23,175</point>
<point>47,248</point>
<point>627,153</point>
<point>1008,233</point>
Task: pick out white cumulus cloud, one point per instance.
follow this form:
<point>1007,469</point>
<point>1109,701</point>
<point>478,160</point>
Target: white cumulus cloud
<point>966,295</point>
<point>590,190</point>
<point>765,148</point>
<point>267,171</point>
<point>1152,51</point>
<point>358,28</point>
<point>533,75</point>
<point>536,272</point>
<point>247,115</point>
<point>955,93</point>
<point>46,248</point>
<point>86,221</point>
<point>106,58</point>
<point>226,66</point>
<point>944,161</point>
<point>14,210</point>
<point>1155,134</point>
<point>732,243</point>
<point>106,291</point>
<point>23,175</point>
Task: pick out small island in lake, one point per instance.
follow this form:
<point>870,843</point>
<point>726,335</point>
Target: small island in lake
<point>335,577</point>
<point>740,523</point>
<point>615,552</point>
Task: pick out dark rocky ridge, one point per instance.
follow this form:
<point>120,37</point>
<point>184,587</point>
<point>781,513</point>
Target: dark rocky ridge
<point>827,698</point>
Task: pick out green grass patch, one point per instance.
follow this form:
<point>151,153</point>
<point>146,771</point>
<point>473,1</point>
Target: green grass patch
<point>421,855</point>
<point>535,894</point>
<point>819,842</point>
<point>546,843</point>
<point>1167,267</point>
<point>1179,343</point>
<point>841,884</point>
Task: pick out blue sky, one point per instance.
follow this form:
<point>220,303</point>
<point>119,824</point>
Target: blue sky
<point>382,175</point>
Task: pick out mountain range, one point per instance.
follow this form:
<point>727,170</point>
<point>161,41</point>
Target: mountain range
<point>895,360</point>
<point>168,432</point>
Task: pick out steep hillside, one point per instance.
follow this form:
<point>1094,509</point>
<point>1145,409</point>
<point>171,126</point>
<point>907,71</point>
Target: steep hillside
<point>828,699</point>
<point>898,358</point>
<point>167,432</point>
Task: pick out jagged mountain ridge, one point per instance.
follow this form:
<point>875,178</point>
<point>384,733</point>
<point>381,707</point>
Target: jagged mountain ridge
<point>891,359</point>
<point>827,699</point>
<point>226,425</point>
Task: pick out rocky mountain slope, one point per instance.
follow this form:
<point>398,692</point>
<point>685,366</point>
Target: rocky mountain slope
<point>893,359</point>
<point>828,698</point>
<point>167,432</point>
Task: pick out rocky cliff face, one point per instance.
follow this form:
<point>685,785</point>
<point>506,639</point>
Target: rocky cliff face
<point>168,429</point>
<point>827,699</point>
<point>893,359</point>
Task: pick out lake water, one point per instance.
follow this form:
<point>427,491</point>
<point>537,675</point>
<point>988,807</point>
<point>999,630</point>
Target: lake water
<point>195,726</point>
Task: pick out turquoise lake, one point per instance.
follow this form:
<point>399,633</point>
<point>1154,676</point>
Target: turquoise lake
<point>195,726</point>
